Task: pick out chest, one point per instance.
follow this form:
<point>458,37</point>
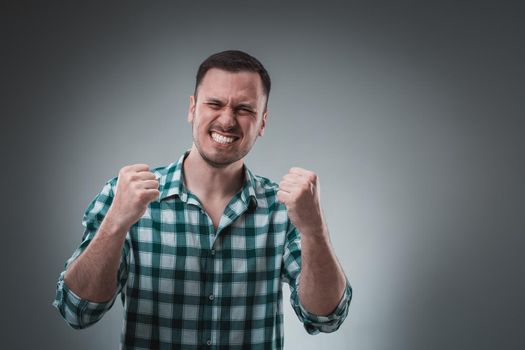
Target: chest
<point>179,247</point>
<point>215,209</point>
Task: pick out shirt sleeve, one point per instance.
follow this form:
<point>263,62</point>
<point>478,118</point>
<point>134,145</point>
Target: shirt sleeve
<point>291,272</point>
<point>81,313</point>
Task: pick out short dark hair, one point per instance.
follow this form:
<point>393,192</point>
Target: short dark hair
<point>234,61</point>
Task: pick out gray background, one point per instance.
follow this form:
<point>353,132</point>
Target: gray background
<point>410,113</point>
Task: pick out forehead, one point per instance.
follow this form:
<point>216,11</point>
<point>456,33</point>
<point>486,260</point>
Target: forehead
<point>224,84</point>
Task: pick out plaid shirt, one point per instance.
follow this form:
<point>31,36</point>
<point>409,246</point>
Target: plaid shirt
<point>184,284</point>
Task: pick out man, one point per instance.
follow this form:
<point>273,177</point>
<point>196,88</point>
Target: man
<point>199,249</point>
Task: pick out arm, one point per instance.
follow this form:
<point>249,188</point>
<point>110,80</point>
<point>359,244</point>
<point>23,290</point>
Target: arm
<point>322,281</point>
<point>97,271</point>
<point>81,312</point>
<point>92,275</point>
<point>291,269</point>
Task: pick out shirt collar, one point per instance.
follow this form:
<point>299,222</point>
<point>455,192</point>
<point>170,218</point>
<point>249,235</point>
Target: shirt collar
<point>170,179</point>
<point>171,182</point>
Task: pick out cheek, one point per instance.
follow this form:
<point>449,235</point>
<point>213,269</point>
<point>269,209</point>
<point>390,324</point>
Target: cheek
<point>199,121</point>
<point>252,128</point>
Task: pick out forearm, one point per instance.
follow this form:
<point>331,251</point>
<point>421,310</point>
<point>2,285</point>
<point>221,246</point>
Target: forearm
<point>322,281</point>
<point>93,275</point>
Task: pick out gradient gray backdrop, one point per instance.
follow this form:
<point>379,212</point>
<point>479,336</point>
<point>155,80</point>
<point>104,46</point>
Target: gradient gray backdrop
<point>411,114</point>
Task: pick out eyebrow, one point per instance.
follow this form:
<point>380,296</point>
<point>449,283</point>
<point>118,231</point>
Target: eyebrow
<point>246,105</point>
<point>213,99</point>
<point>240,105</point>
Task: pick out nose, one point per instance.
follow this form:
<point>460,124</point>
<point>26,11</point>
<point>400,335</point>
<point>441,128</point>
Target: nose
<point>227,119</point>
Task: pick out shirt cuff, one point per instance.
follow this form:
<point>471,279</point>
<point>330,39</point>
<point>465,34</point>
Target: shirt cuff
<point>78,313</point>
<point>330,323</point>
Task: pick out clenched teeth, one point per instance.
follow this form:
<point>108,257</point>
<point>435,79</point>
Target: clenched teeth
<point>222,139</point>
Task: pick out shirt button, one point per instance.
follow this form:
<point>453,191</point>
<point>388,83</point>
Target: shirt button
<point>211,297</point>
<point>212,252</point>
<point>208,342</point>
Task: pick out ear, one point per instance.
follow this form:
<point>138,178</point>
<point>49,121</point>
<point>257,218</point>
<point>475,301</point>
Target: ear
<point>191,110</point>
<point>263,123</point>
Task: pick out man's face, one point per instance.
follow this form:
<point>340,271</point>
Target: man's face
<point>227,115</point>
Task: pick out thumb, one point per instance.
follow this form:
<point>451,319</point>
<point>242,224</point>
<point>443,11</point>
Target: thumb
<point>281,196</point>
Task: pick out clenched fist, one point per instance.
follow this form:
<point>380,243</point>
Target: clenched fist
<point>299,191</point>
<point>136,188</point>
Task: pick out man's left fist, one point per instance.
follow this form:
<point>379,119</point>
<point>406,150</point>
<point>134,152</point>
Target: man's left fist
<point>299,191</point>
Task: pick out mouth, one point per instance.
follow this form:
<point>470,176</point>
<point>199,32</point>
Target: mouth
<point>223,139</point>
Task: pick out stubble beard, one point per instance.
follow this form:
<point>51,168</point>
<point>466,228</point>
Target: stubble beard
<point>215,163</point>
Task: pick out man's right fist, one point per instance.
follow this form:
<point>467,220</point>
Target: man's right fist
<point>136,188</point>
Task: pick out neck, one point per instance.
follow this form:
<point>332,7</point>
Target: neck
<point>207,181</point>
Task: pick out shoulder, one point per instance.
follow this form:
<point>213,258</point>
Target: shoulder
<point>266,192</point>
<point>268,203</point>
<point>162,171</point>
<point>264,185</point>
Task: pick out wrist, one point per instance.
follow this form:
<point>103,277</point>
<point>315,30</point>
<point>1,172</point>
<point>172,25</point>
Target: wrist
<point>316,233</point>
<point>113,225</point>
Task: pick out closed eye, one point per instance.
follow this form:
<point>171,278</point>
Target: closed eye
<point>214,105</point>
<point>245,109</point>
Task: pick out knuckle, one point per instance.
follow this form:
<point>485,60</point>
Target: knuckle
<point>143,196</point>
<point>123,180</point>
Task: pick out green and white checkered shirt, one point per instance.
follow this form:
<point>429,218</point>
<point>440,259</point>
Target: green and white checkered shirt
<point>184,284</point>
